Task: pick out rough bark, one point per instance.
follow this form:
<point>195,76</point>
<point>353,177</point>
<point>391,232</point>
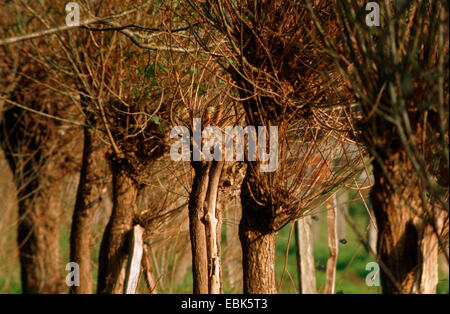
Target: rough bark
<point>258,244</point>
<point>405,243</point>
<point>114,246</point>
<point>197,229</point>
<point>87,202</point>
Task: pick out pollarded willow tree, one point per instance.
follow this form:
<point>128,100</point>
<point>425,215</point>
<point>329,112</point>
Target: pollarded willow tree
<point>42,147</point>
<point>397,74</point>
<point>270,55</point>
<point>42,155</point>
<point>204,103</point>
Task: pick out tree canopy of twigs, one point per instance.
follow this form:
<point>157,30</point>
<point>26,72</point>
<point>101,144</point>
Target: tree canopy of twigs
<point>398,77</point>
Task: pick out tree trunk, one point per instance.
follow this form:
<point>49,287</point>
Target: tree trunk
<point>333,245</point>
<point>136,250</point>
<point>213,227</point>
<point>305,256</point>
<point>233,257</point>
<point>258,244</point>
<point>87,202</point>
<point>197,227</point>
<point>114,246</point>
<point>405,245</point>
<point>30,151</point>
<point>342,204</point>
<point>38,240</point>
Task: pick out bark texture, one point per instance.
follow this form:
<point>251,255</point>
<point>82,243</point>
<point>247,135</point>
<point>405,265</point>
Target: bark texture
<point>88,199</point>
<point>114,247</point>
<point>197,229</point>
<point>405,242</point>
<point>258,243</point>
<point>38,240</point>
<point>213,229</point>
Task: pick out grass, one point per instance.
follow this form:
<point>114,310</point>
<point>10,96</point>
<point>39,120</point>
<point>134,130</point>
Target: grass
<point>352,259</point>
<point>351,264</point>
<point>11,283</point>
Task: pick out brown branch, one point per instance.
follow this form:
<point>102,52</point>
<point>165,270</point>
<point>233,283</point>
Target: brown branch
<point>62,28</point>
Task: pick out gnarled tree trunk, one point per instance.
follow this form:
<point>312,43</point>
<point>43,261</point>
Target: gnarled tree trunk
<point>406,244</point>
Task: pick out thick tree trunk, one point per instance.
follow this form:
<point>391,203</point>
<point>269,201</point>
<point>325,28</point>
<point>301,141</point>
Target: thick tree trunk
<point>258,258</point>
<point>114,246</point>
<point>405,245</point>
<point>38,240</point>
<point>87,201</point>
<point>30,150</point>
<point>258,244</point>
<point>197,227</point>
